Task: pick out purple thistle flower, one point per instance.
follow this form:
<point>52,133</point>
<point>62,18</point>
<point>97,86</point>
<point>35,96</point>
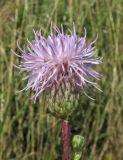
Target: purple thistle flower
<point>58,60</point>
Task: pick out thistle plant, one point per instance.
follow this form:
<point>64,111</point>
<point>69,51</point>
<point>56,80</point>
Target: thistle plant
<point>60,66</point>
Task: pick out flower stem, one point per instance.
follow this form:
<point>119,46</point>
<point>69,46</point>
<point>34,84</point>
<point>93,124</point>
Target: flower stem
<point>66,139</point>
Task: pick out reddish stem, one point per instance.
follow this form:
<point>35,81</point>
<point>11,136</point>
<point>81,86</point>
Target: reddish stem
<point>66,139</point>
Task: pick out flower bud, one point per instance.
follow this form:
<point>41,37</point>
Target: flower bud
<point>77,156</point>
<point>77,142</point>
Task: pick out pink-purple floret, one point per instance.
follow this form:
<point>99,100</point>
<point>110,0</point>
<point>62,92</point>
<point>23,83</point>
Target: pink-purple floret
<point>59,59</point>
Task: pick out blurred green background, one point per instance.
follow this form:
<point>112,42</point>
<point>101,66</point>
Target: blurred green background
<point>26,131</point>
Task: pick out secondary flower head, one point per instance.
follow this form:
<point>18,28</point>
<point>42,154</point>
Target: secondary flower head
<point>59,60</point>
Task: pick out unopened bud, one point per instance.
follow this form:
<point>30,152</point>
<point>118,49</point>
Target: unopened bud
<point>77,142</point>
<point>77,156</point>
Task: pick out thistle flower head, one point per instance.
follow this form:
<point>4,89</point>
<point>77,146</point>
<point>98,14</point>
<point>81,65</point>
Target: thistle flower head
<point>59,60</point>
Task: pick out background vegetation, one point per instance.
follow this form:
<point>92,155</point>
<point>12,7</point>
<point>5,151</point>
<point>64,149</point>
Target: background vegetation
<point>26,131</point>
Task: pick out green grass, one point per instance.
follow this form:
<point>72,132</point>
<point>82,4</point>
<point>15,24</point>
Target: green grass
<point>26,131</point>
